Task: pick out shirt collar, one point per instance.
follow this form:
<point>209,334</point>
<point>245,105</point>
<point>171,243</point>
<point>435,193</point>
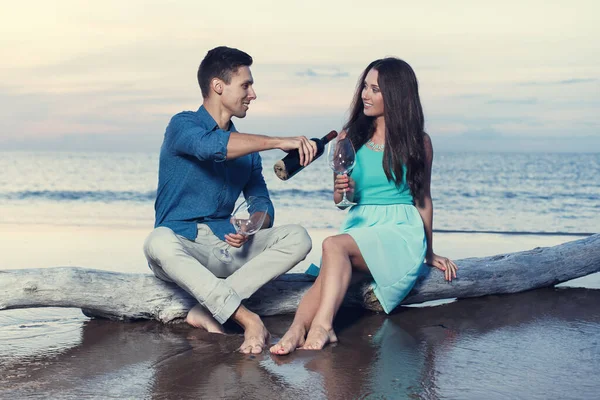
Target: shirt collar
<point>209,122</point>
<point>206,119</point>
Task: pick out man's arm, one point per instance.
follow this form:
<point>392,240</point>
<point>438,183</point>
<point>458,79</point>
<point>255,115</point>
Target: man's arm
<point>186,136</point>
<point>241,144</point>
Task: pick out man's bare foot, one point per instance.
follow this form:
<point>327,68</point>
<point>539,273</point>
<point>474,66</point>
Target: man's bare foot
<point>256,335</point>
<point>199,317</point>
<point>292,339</point>
<point>318,337</point>
<point>255,339</point>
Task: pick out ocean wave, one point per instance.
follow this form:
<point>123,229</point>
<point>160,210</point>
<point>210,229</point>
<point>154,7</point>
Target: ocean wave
<point>322,194</point>
<point>503,232</point>
<point>491,194</point>
<point>135,196</point>
<point>107,196</point>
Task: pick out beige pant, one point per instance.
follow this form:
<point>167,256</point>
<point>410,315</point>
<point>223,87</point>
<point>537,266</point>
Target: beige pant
<point>220,287</point>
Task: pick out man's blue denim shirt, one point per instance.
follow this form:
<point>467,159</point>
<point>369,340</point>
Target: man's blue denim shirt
<point>196,183</point>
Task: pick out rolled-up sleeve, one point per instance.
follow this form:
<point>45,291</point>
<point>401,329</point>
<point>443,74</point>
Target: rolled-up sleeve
<point>187,136</point>
<point>257,187</point>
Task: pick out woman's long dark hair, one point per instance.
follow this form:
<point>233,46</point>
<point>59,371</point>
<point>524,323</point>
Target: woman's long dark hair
<point>404,123</point>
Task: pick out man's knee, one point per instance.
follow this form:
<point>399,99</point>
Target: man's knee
<point>298,238</point>
<point>160,244</point>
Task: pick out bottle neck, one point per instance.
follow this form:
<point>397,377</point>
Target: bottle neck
<point>329,137</point>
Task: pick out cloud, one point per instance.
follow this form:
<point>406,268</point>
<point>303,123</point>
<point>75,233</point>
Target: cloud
<point>82,111</point>
<point>561,82</point>
<point>531,100</point>
<point>470,96</point>
<point>495,140</point>
<point>145,134</point>
<point>323,73</point>
<point>149,143</point>
<point>475,122</point>
<point>481,134</point>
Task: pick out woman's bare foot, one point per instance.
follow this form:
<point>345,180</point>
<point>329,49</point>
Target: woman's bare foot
<point>199,317</point>
<point>292,339</point>
<point>318,337</point>
<point>256,337</point>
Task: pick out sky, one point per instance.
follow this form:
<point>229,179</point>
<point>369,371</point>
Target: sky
<point>494,76</point>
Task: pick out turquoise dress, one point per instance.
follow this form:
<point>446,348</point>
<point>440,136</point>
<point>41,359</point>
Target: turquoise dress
<point>387,228</point>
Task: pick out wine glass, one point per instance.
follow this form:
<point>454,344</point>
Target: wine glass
<point>247,219</point>
<point>341,156</point>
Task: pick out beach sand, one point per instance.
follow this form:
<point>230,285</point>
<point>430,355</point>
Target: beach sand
<point>119,248</point>
<point>539,344</point>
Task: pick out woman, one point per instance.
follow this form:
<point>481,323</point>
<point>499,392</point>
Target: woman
<point>388,233</point>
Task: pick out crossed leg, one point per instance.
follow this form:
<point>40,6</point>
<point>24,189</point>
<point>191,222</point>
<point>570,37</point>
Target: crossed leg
<point>199,317</point>
<point>174,258</point>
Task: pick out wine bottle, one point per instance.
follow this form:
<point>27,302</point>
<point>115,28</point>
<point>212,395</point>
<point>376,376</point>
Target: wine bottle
<point>289,165</point>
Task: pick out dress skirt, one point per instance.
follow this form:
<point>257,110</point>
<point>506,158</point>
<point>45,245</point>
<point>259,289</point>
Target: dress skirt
<point>391,239</point>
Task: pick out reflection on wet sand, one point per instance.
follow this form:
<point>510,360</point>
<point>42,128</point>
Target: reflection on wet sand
<point>538,344</point>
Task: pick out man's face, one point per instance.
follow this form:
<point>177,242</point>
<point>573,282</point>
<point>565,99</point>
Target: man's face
<point>236,96</point>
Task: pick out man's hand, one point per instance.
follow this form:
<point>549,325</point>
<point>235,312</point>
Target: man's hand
<point>307,149</point>
<point>236,240</point>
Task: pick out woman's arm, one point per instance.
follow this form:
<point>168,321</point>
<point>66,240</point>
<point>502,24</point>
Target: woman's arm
<point>426,208</point>
<point>426,212</point>
<point>342,183</point>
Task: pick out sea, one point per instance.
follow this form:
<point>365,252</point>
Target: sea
<point>511,193</point>
<point>540,344</point>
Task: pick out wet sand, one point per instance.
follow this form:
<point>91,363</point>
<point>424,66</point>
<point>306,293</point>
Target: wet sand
<point>540,344</point>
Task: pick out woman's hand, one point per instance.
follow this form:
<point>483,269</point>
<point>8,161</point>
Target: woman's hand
<point>443,264</point>
<point>343,183</point>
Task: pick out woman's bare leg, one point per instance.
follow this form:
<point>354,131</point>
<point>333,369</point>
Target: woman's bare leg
<point>340,255</point>
<point>296,333</point>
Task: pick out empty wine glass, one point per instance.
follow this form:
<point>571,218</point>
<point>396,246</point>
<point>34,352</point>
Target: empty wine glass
<point>341,157</point>
<point>247,219</point>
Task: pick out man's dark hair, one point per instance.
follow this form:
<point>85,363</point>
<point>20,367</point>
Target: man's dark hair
<point>220,62</point>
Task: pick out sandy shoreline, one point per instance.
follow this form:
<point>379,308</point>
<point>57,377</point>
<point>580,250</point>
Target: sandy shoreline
<point>539,343</point>
<point>116,247</point>
<point>119,248</point>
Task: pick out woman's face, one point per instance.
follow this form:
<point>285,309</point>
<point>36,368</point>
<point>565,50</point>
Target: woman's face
<point>371,95</point>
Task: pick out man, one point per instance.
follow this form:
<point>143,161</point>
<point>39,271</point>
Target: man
<point>204,166</point>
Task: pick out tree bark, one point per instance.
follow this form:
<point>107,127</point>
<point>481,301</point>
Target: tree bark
<point>126,296</point>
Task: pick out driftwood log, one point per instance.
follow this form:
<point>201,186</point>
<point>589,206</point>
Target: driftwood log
<point>126,296</point>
